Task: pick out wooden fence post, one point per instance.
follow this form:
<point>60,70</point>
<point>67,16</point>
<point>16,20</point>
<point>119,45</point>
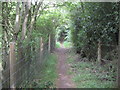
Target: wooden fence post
<point>99,52</point>
<point>12,62</point>
<point>41,47</point>
<point>52,42</point>
<point>49,44</point>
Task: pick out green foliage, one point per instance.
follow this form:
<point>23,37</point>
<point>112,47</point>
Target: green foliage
<point>49,73</point>
<point>86,76</point>
<point>58,45</point>
<point>47,23</point>
<point>93,22</point>
<point>47,76</point>
<point>67,44</point>
<point>63,31</point>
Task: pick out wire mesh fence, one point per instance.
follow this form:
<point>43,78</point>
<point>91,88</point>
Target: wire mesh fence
<point>23,63</point>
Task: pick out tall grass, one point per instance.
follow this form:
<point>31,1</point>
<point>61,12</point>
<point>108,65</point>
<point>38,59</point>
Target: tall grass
<point>47,76</point>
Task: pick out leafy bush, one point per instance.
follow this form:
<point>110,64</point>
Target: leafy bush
<point>93,22</point>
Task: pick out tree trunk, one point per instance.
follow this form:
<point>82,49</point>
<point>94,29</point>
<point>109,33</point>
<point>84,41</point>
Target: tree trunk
<point>17,20</point>
<point>41,47</point>
<point>52,42</point>
<point>99,52</point>
<point>33,18</point>
<point>118,76</point>
<point>24,26</point>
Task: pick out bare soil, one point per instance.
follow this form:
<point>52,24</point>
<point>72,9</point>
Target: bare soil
<point>64,79</point>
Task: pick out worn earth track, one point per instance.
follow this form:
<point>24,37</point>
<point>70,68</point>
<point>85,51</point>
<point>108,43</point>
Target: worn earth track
<point>64,79</point>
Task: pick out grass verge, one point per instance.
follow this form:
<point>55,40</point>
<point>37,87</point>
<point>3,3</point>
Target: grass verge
<point>47,76</point>
<point>57,44</point>
<point>89,75</point>
<point>67,44</point>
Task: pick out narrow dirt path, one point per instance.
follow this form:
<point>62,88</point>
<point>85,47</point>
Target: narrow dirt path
<point>64,79</point>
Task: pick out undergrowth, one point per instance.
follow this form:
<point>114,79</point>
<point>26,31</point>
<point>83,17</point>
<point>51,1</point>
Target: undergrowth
<point>57,44</point>
<point>47,76</point>
<point>90,75</point>
<point>67,44</point>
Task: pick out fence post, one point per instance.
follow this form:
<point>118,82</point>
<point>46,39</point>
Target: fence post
<point>12,62</point>
<point>41,47</point>
<point>49,44</point>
